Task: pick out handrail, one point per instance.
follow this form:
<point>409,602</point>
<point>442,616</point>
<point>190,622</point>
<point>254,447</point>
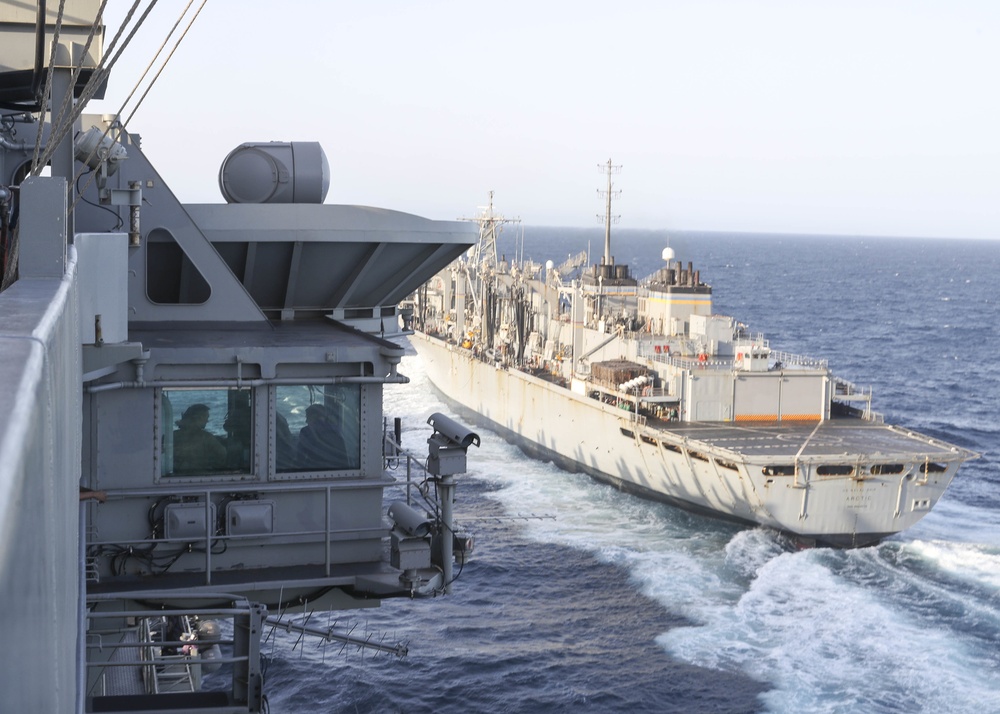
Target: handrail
<point>209,496</point>
<point>392,453</point>
<point>789,358</point>
<point>181,672</point>
<point>726,363</point>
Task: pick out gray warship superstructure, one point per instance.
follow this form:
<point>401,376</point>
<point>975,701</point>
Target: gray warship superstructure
<point>193,435</point>
<point>640,384</point>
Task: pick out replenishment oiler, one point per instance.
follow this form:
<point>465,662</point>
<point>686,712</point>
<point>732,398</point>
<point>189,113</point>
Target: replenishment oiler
<point>641,385</point>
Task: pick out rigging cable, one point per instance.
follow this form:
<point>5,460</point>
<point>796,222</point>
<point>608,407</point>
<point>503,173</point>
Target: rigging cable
<point>66,117</point>
<point>62,122</point>
<point>96,80</point>
<point>167,60</point>
<point>48,79</point>
<point>122,125</point>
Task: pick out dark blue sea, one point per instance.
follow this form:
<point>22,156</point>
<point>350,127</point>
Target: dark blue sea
<point>579,598</point>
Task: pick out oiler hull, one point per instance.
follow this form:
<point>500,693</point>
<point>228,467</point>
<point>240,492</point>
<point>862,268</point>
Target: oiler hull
<point>722,470</point>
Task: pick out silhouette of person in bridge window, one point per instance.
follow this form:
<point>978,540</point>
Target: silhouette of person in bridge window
<point>237,443</point>
<point>284,459</point>
<point>321,447</point>
<point>197,450</point>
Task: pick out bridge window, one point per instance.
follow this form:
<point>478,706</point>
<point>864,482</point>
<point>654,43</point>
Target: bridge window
<point>317,428</point>
<point>205,432</point>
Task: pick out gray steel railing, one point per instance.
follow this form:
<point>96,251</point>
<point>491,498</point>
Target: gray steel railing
<point>776,359</point>
<point>210,495</point>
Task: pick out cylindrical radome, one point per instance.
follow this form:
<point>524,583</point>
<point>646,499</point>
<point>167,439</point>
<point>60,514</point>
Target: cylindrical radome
<point>275,172</point>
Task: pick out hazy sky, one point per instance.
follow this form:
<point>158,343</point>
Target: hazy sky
<point>847,117</point>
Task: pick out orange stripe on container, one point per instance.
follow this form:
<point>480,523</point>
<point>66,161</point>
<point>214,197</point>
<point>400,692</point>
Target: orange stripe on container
<point>774,417</point>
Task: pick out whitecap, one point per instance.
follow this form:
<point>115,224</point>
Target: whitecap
<point>827,644</point>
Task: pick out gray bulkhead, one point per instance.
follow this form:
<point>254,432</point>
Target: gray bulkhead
<point>181,360</point>
<point>257,316</point>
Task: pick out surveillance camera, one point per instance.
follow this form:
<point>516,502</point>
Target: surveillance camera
<point>453,431</point>
<point>409,520</point>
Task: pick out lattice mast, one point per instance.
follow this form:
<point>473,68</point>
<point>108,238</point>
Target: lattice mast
<point>608,194</point>
<point>491,224</point>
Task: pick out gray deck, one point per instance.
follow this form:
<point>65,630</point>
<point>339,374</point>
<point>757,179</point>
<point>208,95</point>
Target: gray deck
<point>843,439</point>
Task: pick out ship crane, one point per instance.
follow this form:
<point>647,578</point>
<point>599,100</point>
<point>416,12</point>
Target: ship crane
<point>614,336</point>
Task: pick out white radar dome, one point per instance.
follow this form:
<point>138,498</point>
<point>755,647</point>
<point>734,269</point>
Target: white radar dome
<point>275,172</point>
<point>667,254</point>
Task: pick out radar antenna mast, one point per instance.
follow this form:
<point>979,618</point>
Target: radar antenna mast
<point>490,226</point>
<point>608,194</point>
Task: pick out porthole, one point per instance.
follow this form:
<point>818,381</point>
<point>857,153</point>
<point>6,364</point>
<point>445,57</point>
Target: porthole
<point>779,470</point>
<point>886,469</point>
<point>835,470</point>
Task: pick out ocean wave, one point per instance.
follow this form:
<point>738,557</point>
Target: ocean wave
<point>830,644</point>
<point>910,625</point>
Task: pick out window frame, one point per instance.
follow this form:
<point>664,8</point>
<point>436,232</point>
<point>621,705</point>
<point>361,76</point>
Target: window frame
<point>361,443</point>
<point>164,425</point>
